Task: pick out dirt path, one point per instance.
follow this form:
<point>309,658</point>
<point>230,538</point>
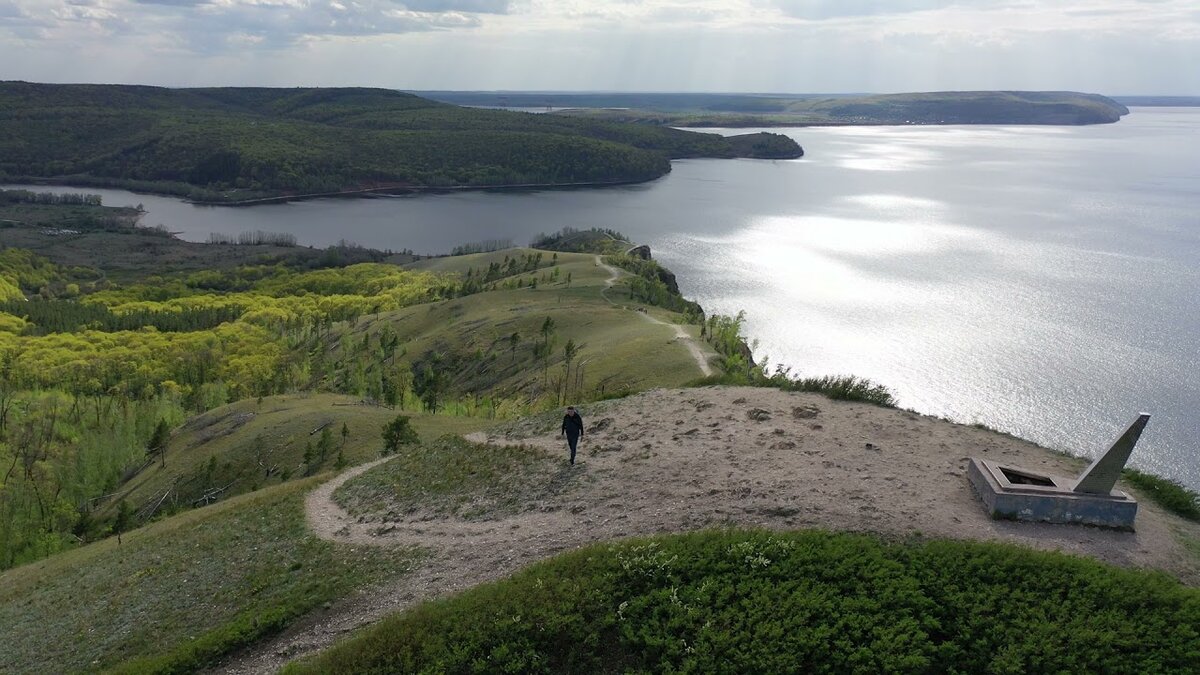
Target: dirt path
<point>680,460</point>
<point>680,333</point>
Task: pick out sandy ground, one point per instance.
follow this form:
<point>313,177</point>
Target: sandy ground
<point>674,460</point>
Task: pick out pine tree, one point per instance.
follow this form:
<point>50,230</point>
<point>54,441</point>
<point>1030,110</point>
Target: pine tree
<point>124,519</point>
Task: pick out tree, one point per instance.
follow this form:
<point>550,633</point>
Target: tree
<point>324,444</point>
<point>309,458</point>
<point>389,393</point>
<point>429,382</point>
<point>124,519</point>
<point>158,441</point>
<point>513,341</point>
<point>398,432</point>
<point>570,351</point>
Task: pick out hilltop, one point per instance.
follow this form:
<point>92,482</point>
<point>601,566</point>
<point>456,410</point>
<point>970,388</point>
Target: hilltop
<point>233,145</point>
<point>685,460</point>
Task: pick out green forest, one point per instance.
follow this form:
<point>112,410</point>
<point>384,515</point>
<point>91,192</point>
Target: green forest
<point>239,144</point>
<point>759,110</point>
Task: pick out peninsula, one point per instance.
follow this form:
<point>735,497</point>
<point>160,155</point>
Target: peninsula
<point>244,144</point>
<point>794,110</point>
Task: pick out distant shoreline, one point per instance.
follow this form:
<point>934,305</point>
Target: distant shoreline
<point>383,191</point>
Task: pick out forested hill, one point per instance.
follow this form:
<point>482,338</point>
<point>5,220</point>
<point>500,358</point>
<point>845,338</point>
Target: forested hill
<point>231,144</point>
<point>757,110</point>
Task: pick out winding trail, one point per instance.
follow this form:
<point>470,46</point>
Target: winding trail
<point>680,333</point>
<point>734,457</point>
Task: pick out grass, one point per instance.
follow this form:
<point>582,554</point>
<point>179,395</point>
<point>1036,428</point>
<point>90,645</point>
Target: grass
<point>620,350</point>
<point>836,387</point>
<point>451,476</point>
<point>796,602</point>
<point>179,593</point>
<point>1171,495</point>
<point>233,446</point>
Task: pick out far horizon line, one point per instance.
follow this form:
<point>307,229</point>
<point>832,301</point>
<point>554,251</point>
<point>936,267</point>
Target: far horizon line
<point>608,91</point>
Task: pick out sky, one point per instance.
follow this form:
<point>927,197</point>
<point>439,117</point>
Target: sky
<point>792,46</point>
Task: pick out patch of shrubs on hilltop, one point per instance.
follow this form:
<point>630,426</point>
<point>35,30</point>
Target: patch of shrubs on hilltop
<point>794,602</point>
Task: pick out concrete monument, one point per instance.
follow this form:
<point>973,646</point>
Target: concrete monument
<point>1091,499</point>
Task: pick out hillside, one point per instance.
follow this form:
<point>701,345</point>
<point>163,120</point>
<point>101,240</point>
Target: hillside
<point>764,110</point>
<point>253,444</point>
<point>685,460</point>
<point>237,144</point>
<point>174,595</point>
<point>142,376</point>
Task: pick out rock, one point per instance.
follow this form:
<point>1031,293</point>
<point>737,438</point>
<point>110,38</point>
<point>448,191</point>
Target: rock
<point>784,445</point>
<point>758,415</point>
<point>805,412</point>
<point>739,401</point>
<point>602,424</point>
<point>642,252</point>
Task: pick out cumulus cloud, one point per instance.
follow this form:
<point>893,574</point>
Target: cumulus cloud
<point>1118,46</point>
<point>214,25</point>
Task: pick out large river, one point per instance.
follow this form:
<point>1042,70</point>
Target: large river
<point>1041,280</point>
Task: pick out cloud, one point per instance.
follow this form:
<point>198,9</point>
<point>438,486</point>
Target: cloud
<point>212,26</point>
<point>473,6</point>
<point>831,9</point>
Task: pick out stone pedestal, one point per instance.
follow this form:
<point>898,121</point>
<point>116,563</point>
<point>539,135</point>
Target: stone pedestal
<point>1049,499</point>
<point>1018,494</point>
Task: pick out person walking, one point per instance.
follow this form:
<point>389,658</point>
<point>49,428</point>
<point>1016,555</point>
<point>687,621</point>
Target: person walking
<point>572,427</point>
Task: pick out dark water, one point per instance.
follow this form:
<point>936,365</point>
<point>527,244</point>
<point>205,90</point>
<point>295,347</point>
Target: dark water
<point>1040,280</point>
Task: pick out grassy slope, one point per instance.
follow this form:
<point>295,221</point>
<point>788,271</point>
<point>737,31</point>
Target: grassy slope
<point>182,590</point>
<point>793,602</point>
<point>452,476</point>
<point>230,434</point>
<point>622,350</point>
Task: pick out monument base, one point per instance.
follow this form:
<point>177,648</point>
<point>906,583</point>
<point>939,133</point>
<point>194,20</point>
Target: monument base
<point>1016,494</point>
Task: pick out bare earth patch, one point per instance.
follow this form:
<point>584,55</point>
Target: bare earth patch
<point>675,460</point>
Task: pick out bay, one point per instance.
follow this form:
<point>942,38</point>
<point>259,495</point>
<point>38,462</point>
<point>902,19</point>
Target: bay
<point>1039,280</point>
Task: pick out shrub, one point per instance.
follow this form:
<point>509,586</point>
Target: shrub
<point>798,602</point>
<point>1167,493</point>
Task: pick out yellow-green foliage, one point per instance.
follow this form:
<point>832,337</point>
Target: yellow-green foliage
<point>9,290</point>
<point>24,269</point>
<point>249,355</point>
<point>247,358</point>
<point>8,322</point>
<point>276,295</point>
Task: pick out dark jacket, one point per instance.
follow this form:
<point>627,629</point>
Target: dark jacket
<point>572,425</point>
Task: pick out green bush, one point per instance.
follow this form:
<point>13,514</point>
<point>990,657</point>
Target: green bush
<point>738,602</point>
<point>1167,493</point>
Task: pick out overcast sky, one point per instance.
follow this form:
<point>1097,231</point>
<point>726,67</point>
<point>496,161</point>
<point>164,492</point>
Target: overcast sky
<point>1104,46</point>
